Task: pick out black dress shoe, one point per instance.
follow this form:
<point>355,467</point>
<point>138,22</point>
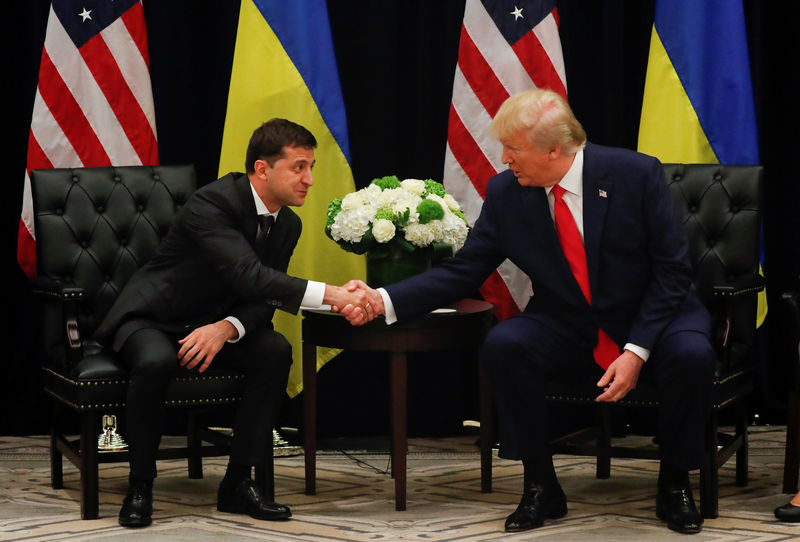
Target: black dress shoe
<point>244,497</point>
<point>137,507</point>
<point>675,505</point>
<point>538,503</point>
<point>788,513</point>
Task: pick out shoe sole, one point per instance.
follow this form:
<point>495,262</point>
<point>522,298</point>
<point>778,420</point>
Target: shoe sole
<point>660,515</point>
<point>276,517</point>
<point>558,514</point>
<point>135,523</point>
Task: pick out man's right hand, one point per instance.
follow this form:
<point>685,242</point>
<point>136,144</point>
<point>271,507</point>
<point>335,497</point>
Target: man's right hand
<point>374,303</point>
<point>353,303</point>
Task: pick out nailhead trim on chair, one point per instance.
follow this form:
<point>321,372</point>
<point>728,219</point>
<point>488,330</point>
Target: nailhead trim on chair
<point>83,382</point>
<point>171,403</point>
<point>83,408</point>
<point>574,399</point>
<point>105,382</point>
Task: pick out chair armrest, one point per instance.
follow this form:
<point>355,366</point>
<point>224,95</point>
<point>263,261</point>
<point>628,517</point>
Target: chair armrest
<point>749,284</point>
<point>731,296</point>
<point>69,299</point>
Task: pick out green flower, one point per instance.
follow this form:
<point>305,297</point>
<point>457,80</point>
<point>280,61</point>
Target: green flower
<point>432,187</point>
<point>460,215</point>
<point>387,182</point>
<point>334,208</point>
<point>429,211</point>
<point>386,214</point>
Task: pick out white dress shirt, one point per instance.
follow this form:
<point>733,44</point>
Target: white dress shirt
<point>315,291</point>
<point>572,183</point>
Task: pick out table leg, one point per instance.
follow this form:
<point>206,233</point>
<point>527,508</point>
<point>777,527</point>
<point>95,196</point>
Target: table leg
<point>487,425</point>
<point>399,438</point>
<point>310,415</point>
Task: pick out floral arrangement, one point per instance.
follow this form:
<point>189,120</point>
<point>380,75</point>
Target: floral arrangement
<point>392,214</point>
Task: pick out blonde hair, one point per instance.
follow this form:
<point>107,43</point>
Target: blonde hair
<point>544,116</point>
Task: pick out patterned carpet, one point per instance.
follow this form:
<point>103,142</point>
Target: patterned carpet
<point>355,499</point>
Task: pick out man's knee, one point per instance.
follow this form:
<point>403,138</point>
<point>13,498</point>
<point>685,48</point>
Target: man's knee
<point>690,356</point>
<point>271,345</point>
<point>503,343</point>
<point>147,354</point>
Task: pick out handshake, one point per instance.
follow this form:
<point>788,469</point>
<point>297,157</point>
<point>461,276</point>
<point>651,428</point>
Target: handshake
<point>355,300</point>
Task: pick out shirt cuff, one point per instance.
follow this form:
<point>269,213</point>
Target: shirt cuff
<point>239,328</point>
<point>643,353</point>
<point>315,292</point>
<point>388,307</point>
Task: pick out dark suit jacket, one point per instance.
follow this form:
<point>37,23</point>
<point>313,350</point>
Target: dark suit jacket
<point>206,268</point>
<point>636,252</point>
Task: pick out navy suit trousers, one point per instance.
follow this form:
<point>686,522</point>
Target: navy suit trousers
<point>524,352</point>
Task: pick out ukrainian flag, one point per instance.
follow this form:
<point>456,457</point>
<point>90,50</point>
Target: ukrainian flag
<point>698,102</point>
<point>284,66</point>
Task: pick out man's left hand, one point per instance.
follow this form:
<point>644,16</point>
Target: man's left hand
<point>203,343</point>
<point>620,377</point>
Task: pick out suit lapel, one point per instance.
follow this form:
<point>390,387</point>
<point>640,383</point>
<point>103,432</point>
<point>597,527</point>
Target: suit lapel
<point>542,222</point>
<point>597,190</point>
<point>249,217</point>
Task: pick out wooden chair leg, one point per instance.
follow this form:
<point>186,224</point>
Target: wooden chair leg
<point>56,458</point>
<point>265,474</point>
<point>194,443</point>
<point>604,444</point>
<point>487,427</point>
<point>90,498</point>
<point>742,453</point>
<point>791,465</point>
<point>709,476</point>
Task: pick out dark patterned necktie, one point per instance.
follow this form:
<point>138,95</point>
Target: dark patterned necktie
<point>265,223</point>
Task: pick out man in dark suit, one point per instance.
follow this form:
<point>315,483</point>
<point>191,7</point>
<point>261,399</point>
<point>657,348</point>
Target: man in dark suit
<point>595,230</point>
<point>208,295</point>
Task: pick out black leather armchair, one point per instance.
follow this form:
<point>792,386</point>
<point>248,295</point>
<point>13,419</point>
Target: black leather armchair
<point>721,213</point>
<point>94,228</point>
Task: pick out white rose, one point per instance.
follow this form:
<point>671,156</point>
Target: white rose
<point>383,230</point>
<point>414,186</point>
<point>437,199</point>
<point>451,202</point>
<point>352,201</point>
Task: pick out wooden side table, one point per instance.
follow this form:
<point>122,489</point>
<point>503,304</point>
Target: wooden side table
<point>462,327</point>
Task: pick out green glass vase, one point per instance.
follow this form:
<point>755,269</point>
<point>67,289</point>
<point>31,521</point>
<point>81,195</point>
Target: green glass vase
<point>388,267</point>
<point>401,260</point>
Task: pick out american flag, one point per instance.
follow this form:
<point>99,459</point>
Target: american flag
<point>94,103</point>
<point>506,46</point>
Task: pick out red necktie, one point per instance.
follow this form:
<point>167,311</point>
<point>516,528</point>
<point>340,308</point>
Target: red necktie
<point>605,351</point>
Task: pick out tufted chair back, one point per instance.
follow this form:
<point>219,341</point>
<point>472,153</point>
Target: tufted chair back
<point>96,226</point>
<point>720,207</point>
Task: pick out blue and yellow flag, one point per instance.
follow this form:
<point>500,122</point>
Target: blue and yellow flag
<point>284,66</point>
<point>698,102</point>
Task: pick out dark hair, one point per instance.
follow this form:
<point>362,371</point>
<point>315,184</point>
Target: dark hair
<point>269,139</point>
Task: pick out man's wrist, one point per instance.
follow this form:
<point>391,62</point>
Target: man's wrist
<point>643,353</point>
<point>388,307</point>
<point>237,327</point>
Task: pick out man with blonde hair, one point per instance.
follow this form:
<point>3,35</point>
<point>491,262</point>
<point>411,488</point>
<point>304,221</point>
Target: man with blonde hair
<point>595,230</point>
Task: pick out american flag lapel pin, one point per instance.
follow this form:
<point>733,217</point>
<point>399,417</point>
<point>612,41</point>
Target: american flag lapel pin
<point>602,193</point>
